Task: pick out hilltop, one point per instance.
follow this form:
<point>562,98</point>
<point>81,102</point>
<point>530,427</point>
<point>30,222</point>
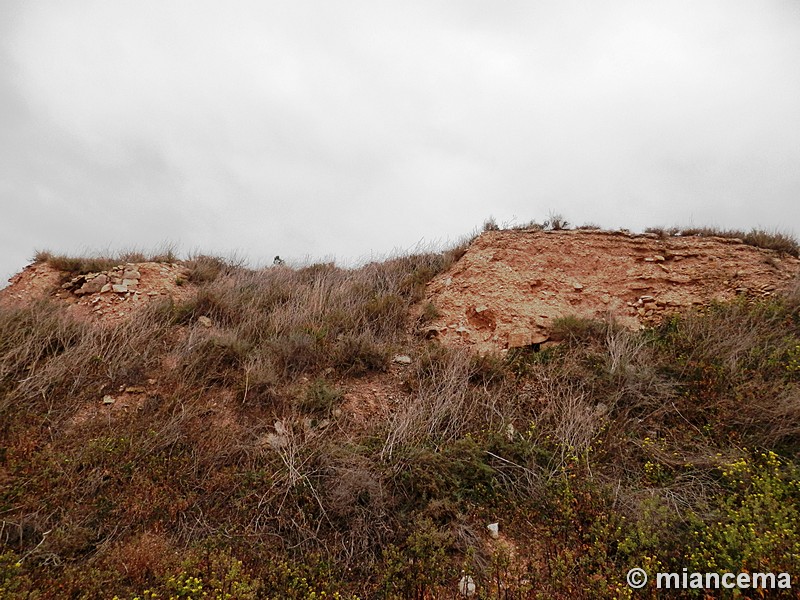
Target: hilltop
<point>511,288</point>
<point>171,428</point>
<point>508,289</point>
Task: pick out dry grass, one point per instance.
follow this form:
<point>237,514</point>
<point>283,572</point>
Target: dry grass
<point>571,420</point>
<point>204,268</point>
<point>52,360</point>
<point>442,405</point>
<point>779,241</point>
<point>103,261</point>
<point>738,355</point>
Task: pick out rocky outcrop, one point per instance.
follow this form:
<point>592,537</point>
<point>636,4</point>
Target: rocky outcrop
<point>119,280</point>
<point>107,295</point>
<point>510,286</point>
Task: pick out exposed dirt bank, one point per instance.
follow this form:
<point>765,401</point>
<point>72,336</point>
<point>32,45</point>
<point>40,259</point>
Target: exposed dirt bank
<point>510,286</point>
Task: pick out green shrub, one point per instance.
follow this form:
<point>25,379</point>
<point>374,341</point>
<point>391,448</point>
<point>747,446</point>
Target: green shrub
<point>417,567</point>
<point>357,354</point>
<point>14,582</point>
<point>757,526</point>
<point>577,329</point>
<point>321,397</point>
<point>429,313</point>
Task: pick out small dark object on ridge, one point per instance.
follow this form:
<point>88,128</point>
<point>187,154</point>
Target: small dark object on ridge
<point>277,261</point>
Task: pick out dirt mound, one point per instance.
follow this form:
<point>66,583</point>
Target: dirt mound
<point>107,296</point>
<point>510,286</point>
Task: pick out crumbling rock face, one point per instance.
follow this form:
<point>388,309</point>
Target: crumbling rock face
<point>109,295</point>
<point>121,280</point>
<point>510,286</point>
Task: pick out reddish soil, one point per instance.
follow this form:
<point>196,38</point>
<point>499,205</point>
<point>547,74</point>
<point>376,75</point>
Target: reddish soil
<point>510,286</point>
<point>40,280</point>
<point>375,395</point>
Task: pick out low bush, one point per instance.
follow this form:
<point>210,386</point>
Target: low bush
<point>321,397</point>
<point>756,525</point>
<point>204,268</point>
<point>577,329</point>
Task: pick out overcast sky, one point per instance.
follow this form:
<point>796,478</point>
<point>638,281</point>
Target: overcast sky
<point>319,130</point>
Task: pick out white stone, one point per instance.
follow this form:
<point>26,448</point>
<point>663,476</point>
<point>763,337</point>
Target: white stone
<point>511,431</point>
<point>494,530</point>
<point>466,587</point>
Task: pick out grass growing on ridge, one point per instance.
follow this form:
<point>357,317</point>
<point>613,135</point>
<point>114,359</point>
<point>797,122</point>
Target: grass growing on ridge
<point>781,242</point>
<point>80,265</point>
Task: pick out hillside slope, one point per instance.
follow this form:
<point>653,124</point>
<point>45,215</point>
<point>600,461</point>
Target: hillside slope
<point>195,429</point>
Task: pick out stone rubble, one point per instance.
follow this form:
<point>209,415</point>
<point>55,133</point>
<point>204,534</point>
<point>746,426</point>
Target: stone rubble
<point>107,296</point>
<point>120,280</point>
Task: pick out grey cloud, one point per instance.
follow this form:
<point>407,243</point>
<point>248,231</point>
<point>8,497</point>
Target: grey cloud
<point>352,129</point>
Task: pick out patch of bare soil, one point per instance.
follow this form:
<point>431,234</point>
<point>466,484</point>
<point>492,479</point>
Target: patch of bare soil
<point>33,282</point>
<point>510,286</point>
<point>113,405</point>
<point>373,397</point>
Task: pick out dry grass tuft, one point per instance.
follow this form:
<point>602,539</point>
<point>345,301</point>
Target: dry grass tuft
<point>779,241</point>
<point>80,265</point>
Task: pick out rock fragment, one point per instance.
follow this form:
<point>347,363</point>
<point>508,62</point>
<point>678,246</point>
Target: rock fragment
<point>93,285</point>
<point>519,339</point>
